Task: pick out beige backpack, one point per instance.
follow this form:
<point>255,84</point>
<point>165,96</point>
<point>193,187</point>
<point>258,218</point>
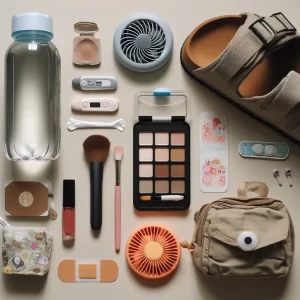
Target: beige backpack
<point>251,235</point>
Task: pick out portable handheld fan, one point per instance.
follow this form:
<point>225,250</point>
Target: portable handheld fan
<point>153,252</point>
<point>143,42</point>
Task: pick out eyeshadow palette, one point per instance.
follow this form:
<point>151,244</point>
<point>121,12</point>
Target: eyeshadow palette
<point>162,154</point>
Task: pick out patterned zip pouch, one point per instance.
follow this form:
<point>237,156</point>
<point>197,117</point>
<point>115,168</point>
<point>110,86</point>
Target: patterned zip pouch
<point>26,251</point>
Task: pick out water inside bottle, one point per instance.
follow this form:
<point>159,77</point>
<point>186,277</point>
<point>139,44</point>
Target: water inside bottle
<point>32,102</point>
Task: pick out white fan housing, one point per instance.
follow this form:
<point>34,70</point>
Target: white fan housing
<point>143,42</point>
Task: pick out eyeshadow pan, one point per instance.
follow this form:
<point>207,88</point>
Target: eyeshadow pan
<point>146,138</point>
<point>161,186</point>
<point>162,171</point>
<point>162,154</point>
<point>146,154</point>
<point>161,138</point>
<point>177,171</point>
<point>177,155</point>
<point>177,186</point>
<point>146,186</point>
<point>177,139</point>
<point>146,170</point>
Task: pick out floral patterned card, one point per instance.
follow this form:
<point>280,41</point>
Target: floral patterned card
<point>213,152</point>
<point>213,129</point>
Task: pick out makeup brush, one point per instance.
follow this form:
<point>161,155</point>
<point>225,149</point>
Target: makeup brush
<point>96,148</point>
<point>118,157</point>
<point>162,198</point>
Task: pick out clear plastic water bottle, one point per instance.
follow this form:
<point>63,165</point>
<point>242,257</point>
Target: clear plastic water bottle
<point>32,97</point>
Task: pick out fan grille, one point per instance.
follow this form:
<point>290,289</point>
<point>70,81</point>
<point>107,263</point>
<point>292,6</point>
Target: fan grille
<point>159,263</point>
<point>143,41</point>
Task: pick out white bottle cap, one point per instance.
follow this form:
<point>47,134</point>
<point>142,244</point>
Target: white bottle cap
<point>32,21</point>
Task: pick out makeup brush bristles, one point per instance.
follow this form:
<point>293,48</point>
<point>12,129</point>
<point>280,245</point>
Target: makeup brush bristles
<point>96,148</point>
<point>118,150</point>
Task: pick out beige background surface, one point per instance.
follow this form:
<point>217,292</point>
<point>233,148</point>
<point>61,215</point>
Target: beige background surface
<point>186,283</point>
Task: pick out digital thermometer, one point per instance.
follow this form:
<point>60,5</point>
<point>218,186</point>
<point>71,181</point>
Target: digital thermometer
<point>104,104</point>
<point>93,83</point>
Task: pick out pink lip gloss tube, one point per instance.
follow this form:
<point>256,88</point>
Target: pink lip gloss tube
<point>68,222</point>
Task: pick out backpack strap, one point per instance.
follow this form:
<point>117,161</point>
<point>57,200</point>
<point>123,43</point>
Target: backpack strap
<point>252,189</point>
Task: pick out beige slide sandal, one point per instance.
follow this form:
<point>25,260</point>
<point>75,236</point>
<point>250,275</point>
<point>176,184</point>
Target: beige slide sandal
<point>253,61</point>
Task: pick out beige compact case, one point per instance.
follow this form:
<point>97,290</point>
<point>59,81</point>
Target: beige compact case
<point>86,47</point>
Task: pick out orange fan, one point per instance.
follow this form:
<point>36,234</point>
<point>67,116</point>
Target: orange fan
<point>153,252</point>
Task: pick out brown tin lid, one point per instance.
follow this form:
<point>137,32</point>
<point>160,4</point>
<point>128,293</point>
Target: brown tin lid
<point>26,198</point>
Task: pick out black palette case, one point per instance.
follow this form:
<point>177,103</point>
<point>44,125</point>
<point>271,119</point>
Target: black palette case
<point>161,155</point>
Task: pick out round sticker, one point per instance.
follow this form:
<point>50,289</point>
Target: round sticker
<point>17,260</point>
<point>43,260</point>
<point>26,199</point>
<point>34,246</point>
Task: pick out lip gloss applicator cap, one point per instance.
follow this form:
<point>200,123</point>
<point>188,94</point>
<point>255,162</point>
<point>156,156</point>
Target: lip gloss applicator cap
<point>69,193</point>
<point>68,209</point>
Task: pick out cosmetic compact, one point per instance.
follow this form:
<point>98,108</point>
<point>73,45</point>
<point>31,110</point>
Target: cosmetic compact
<point>161,145</point>
<point>86,47</point>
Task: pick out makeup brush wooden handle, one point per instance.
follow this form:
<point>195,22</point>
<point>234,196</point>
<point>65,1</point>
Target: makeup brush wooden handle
<point>96,174</point>
<point>117,218</point>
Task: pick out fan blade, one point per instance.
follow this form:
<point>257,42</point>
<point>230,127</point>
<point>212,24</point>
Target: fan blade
<point>129,36</point>
<point>140,26</point>
<point>161,41</point>
<point>159,35</point>
<point>136,27</point>
<point>131,29</point>
<point>128,50</point>
<point>145,57</point>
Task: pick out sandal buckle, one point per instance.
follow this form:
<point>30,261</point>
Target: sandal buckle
<point>289,27</point>
<point>270,33</point>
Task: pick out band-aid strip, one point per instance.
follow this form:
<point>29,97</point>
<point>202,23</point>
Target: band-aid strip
<point>84,271</point>
<point>87,270</point>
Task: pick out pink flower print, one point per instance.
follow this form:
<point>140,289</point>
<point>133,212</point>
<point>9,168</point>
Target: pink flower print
<point>206,180</point>
<point>206,135</point>
<point>220,134</point>
<point>205,125</point>
<point>206,168</point>
<point>221,180</point>
<point>34,246</point>
<point>215,164</point>
<point>216,122</point>
<point>220,138</point>
<point>221,171</point>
